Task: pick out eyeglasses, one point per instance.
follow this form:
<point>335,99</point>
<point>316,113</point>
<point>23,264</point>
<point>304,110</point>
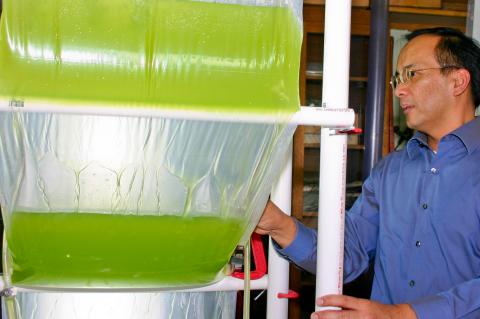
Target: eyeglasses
<point>407,74</point>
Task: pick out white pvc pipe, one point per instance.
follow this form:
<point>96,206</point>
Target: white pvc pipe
<point>234,284</point>
<point>227,284</point>
<point>331,220</point>
<point>325,117</point>
<point>315,116</point>
<point>278,267</point>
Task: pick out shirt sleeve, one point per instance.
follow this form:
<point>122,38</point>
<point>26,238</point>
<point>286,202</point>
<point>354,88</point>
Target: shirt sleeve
<point>462,301</point>
<point>361,232</point>
<point>302,251</point>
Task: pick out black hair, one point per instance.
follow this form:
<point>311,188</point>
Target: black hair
<point>455,48</point>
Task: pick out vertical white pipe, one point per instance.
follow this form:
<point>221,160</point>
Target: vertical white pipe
<point>331,220</point>
<point>278,268</point>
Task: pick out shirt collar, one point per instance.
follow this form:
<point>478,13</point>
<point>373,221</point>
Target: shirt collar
<point>418,140</point>
<point>469,135</point>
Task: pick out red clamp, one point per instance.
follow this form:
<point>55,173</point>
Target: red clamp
<point>258,257</point>
<point>350,131</point>
<point>290,295</point>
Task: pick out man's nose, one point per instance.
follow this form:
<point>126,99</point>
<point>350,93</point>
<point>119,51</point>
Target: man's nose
<point>400,89</point>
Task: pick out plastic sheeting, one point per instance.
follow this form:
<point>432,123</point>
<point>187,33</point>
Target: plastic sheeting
<point>211,305</point>
<point>99,201</point>
<point>159,54</point>
<point>95,201</point>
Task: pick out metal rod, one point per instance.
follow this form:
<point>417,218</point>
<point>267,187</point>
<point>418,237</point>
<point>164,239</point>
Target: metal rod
<point>246,281</point>
<point>377,66</point>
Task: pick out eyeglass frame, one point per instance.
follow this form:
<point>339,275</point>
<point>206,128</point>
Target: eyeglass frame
<point>398,78</point>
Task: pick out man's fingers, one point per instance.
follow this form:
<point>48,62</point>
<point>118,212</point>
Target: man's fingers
<point>345,302</point>
<point>333,314</point>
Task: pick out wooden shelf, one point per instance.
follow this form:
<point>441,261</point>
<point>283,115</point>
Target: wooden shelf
<point>360,147</point>
<point>453,13</point>
<point>314,18</point>
<point>417,3</point>
<point>449,8</point>
<point>320,77</point>
<point>349,146</point>
<point>358,79</point>
<point>429,11</point>
<point>355,3</point>
<point>310,214</point>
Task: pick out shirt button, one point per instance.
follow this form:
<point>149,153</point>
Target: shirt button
<point>411,283</point>
<point>418,243</point>
<point>424,206</point>
<point>433,170</point>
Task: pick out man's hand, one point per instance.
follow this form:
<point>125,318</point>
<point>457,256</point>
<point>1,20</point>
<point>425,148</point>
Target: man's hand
<point>355,308</point>
<point>280,227</point>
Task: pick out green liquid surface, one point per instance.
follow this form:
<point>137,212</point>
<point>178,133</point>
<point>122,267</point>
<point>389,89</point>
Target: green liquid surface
<point>168,54</point>
<point>102,250</point>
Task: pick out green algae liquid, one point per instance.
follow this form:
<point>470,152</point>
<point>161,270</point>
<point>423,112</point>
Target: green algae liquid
<point>169,54</point>
<point>82,250</point>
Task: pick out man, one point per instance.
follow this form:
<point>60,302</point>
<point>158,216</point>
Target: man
<point>418,217</point>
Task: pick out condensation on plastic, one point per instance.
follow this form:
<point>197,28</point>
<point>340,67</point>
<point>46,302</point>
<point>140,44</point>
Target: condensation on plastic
<point>208,305</point>
<point>238,56</point>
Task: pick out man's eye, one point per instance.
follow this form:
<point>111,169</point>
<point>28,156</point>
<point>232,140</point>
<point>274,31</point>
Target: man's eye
<point>411,74</point>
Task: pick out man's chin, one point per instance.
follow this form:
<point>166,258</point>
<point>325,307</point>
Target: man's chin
<point>412,121</point>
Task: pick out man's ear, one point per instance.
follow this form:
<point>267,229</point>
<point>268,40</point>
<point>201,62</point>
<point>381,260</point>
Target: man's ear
<point>461,80</point>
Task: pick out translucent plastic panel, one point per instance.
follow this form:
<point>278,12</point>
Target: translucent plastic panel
<point>134,202</point>
<point>97,201</point>
<point>167,54</point>
<point>34,305</point>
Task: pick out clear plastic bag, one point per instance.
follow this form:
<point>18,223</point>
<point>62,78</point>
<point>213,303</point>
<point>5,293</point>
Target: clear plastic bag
<point>100,201</point>
<point>184,305</point>
<point>141,201</point>
<point>240,56</point>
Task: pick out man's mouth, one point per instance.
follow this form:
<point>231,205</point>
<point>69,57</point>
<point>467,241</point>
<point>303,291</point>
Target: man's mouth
<point>406,108</point>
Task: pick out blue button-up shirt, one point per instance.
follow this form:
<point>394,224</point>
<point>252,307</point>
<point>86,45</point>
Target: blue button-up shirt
<point>418,218</point>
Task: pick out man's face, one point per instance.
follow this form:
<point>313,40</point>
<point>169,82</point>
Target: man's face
<point>425,97</point>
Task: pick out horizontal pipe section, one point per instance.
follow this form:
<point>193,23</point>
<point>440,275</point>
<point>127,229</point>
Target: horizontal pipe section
<point>227,284</point>
<point>314,116</point>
